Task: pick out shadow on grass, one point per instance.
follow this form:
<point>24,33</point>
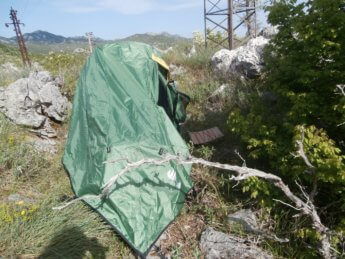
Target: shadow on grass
<point>71,242</point>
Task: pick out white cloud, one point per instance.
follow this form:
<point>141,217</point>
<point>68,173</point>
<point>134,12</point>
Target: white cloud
<point>126,6</point>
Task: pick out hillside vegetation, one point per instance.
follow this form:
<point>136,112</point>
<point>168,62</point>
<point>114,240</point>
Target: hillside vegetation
<point>297,98</point>
<point>9,54</point>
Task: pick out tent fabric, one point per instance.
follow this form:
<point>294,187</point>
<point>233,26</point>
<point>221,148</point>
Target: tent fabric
<point>125,108</point>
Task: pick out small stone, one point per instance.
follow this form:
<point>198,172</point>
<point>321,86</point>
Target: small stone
<point>79,50</point>
<point>269,32</point>
<point>246,218</point>
<point>46,130</point>
<point>192,52</point>
<point>219,94</point>
<point>176,70</point>
<point>216,245</point>
<point>44,145</point>
<point>15,197</point>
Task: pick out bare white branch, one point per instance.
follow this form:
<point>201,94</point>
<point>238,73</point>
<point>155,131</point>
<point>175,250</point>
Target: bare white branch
<point>84,197</point>
<point>239,155</point>
<point>342,92</point>
<point>286,204</point>
<point>342,89</point>
<point>301,153</point>
<point>341,124</point>
<point>241,173</point>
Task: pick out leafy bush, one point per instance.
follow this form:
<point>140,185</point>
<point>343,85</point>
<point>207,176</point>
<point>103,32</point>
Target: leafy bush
<point>304,65</point>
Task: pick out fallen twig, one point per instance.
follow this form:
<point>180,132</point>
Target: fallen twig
<point>241,173</point>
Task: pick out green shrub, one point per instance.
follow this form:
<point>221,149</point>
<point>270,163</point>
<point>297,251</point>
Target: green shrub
<point>304,65</point>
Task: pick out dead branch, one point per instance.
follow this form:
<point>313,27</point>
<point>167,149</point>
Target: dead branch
<point>239,155</point>
<point>325,248</point>
<point>342,89</point>
<point>301,153</point>
<point>241,173</point>
<point>342,92</point>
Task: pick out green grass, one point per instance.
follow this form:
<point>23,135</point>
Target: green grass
<point>36,229</point>
<point>66,66</point>
<point>9,54</point>
<point>73,232</point>
<point>179,56</point>
<point>16,156</point>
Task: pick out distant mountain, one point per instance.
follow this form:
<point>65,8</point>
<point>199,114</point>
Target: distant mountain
<point>6,40</point>
<point>163,39</point>
<point>35,40</point>
<point>43,37</point>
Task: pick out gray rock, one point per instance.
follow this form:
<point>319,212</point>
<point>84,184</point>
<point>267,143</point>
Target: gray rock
<point>31,101</point>
<point>192,52</point>
<point>219,94</point>
<point>15,197</point>
<point>40,77</point>
<point>243,62</point>
<point>220,245</point>
<point>21,105</point>
<point>269,32</point>
<point>54,104</point>
<point>176,70</point>
<point>79,50</point>
<point>168,50</point>
<point>155,252</point>
<point>45,131</point>
<point>247,219</point>
<point>158,256</point>
<point>44,145</point>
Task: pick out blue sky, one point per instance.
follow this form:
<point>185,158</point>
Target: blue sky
<point>108,19</point>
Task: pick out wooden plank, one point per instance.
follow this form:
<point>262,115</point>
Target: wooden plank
<point>205,136</point>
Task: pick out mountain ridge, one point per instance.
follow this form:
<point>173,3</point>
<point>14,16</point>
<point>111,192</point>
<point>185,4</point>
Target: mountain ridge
<point>44,37</point>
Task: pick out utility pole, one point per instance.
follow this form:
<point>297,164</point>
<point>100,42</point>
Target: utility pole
<point>21,43</point>
<point>217,12</point>
<point>89,36</point>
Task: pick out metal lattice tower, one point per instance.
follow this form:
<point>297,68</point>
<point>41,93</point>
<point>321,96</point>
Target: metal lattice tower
<point>220,15</point>
<point>21,43</point>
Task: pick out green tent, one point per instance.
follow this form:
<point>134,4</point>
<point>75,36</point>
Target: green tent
<point>124,107</point>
